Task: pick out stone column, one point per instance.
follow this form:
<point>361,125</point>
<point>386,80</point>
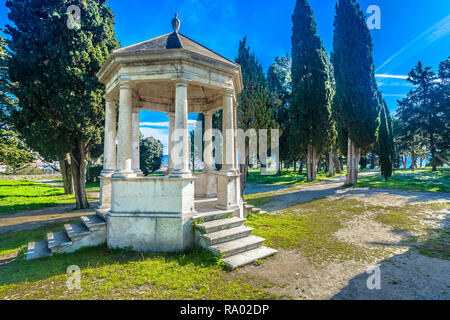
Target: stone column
<point>180,136</point>
<point>109,155</point>
<point>208,152</point>
<point>135,164</point>
<point>228,178</point>
<point>170,166</point>
<point>124,152</point>
<point>228,156</point>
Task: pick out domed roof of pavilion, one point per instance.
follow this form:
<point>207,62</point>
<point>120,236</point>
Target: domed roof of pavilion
<point>172,41</point>
<point>167,58</point>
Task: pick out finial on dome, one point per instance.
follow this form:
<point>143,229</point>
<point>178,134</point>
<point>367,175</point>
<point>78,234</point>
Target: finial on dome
<point>176,23</point>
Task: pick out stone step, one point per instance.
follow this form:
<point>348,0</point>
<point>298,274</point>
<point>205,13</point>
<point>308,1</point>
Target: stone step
<point>230,248</point>
<point>247,257</point>
<point>212,214</point>
<point>93,222</point>
<point>206,200</point>
<point>256,210</point>
<point>226,235</point>
<point>221,224</point>
<point>248,206</point>
<point>101,213</point>
<point>76,231</point>
<point>37,250</point>
<point>57,241</point>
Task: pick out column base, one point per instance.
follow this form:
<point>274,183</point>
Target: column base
<point>105,190</point>
<point>180,174</point>
<point>206,184</point>
<point>139,173</point>
<point>227,190</point>
<point>124,174</point>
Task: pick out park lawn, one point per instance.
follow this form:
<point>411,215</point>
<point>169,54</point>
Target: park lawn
<point>120,274</point>
<point>422,179</point>
<point>286,177</point>
<point>17,195</point>
<point>311,228</point>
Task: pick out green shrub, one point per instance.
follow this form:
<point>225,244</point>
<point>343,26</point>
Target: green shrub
<point>93,173</point>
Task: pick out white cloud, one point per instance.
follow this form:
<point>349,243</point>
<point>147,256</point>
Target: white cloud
<point>391,76</point>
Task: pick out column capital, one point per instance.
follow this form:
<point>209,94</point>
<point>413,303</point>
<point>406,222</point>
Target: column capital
<point>209,113</point>
<point>228,92</point>
<point>181,82</point>
<point>125,84</point>
<point>109,98</point>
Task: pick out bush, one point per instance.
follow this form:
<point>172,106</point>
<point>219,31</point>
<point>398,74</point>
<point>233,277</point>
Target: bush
<point>151,154</point>
<point>93,173</point>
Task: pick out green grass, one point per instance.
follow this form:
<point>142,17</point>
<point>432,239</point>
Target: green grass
<point>311,227</point>
<point>17,195</point>
<point>119,274</point>
<point>17,241</point>
<point>286,177</point>
<point>422,179</point>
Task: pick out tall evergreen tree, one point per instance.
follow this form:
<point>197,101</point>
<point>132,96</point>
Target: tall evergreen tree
<point>54,65</point>
<point>312,94</point>
<point>443,141</point>
<point>255,109</point>
<point>425,100</point>
<point>385,142</point>
<point>280,87</point>
<point>356,88</point>
<point>13,152</point>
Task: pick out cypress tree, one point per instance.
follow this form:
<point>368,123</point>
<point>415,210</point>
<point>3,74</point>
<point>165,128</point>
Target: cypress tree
<point>385,142</point>
<point>356,90</point>
<point>312,127</point>
<point>280,87</point>
<point>54,65</point>
<point>255,109</point>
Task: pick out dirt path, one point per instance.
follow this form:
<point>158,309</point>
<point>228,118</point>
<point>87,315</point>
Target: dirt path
<point>404,272</point>
<point>285,198</point>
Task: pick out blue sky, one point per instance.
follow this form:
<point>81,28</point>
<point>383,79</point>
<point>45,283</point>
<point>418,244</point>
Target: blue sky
<point>411,30</point>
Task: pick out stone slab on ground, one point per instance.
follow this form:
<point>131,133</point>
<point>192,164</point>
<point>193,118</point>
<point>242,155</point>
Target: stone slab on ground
<point>244,258</point>
<point>37,250</point>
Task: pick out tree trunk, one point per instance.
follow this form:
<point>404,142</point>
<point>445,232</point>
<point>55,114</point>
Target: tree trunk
<point>405,160</point>
<point>413,160</point>
<point>300,169</point>
<point>66,172</point>
<point>440,158</point>
<point>312,161</point>
<point>433,154</point>
<point>244,169</point>
<point>353,156</point>
<point>331,164</point>
<point>295,165</point>
<point>78,157</point>
<point>336,163</point>
<point>372,161</point>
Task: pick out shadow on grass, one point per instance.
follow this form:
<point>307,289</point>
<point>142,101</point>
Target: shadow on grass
<point>410,275</point>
